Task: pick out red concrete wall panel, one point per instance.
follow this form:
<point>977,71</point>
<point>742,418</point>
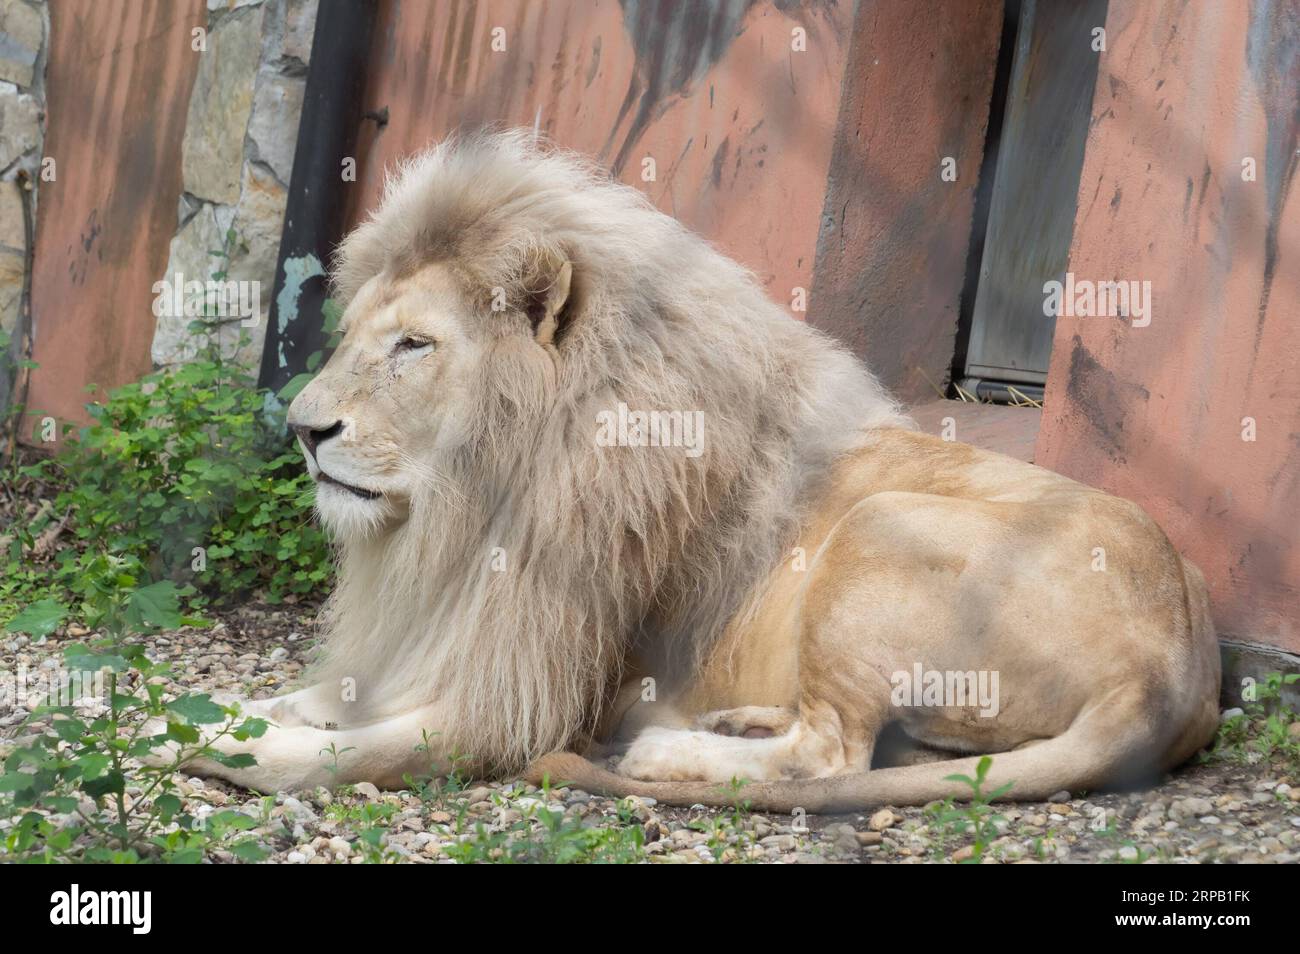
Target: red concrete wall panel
<point>892,255</point>
<point>739,124</point>
<point>1187,96</point>
<point>117,91</point>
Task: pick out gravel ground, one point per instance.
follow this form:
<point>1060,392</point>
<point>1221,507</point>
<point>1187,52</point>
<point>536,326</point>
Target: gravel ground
<point>1218,811</point>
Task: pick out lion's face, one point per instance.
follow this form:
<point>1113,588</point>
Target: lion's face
<point>394,394</point>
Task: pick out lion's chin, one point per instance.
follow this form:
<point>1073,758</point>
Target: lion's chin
<point>350,516</point>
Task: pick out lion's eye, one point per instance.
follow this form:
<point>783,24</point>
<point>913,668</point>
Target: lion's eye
<point>409,343</point>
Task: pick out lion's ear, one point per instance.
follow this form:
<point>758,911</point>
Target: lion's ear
<point>548,294</point>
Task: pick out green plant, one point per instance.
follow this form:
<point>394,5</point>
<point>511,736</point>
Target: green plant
<point>182,476</point>
<point>728,830</point>
<point>187,475</point>
<point>370,820</point>
<point>1264,729</point>
<point>100,786</point>
<point>977,816</point>
<point>544,836</point>
<point>333,751</point>
<point>440,785</point>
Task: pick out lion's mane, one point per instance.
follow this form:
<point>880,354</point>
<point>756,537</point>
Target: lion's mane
<point>605,549</point>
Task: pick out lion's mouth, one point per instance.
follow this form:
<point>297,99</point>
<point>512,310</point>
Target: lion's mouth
<point>358,491</point>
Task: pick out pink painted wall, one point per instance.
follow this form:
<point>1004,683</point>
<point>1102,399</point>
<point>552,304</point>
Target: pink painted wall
<point>117,91</point>
<point>1185,93</point>
<point>738,123</point>
<point>891,258</point>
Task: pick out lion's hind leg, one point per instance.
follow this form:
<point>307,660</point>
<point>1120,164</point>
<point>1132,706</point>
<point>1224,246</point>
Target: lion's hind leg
<point>748,722</point>
<point>807,744</point>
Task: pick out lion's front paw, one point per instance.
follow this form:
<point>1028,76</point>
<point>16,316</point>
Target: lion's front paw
<point>660,756</point>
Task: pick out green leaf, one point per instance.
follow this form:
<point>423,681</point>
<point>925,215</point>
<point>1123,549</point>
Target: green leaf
<point>248,850</point>
<point>242,760</point>
<point>16,781</point>
<point>168,806</point>
<point>197,709</point>
<point>229,818</point>
<point>293,387</point>
<point>156,606</point>
<point>185,734</point>
<point>250,729</point>
<point>69,730</point>
<point>80,658</point>
<point>93,765</point>
<point>110,783</point>
<point>38,620</point>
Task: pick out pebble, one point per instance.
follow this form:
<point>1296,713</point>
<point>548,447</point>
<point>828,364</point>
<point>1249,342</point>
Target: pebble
<point>883,819</point>
<point>1221,811</point>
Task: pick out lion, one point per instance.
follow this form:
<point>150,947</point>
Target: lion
<point>541,566</point>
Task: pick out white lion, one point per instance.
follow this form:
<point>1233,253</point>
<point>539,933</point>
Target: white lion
<point>737,605</point>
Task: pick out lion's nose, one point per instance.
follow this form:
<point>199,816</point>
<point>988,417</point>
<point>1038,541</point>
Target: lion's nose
<point>312,437</point>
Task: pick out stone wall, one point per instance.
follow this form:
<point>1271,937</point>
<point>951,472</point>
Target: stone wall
<point>237,158</point>
<point>24,25</point>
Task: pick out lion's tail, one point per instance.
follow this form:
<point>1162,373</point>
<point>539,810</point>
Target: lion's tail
<point>1081,758</point>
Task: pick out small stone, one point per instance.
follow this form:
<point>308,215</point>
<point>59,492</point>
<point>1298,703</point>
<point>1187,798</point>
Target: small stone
<point>1190,807</point>
<point>297,810</point>
<point>964,854</point>
<point>20,124</point>
<point>868,838</point>
<point>273,126</point>
<point>1060,797</point>
<point>340,847</point>
<point>366,790</point>
<point>212,152</point>
<point>637,807</point>
<point>1230,714</point>
<point>1128,853</point>
<point>279,654</point>
<point>847,841</point>
<point>883,819</point>
<point>21,32</point>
